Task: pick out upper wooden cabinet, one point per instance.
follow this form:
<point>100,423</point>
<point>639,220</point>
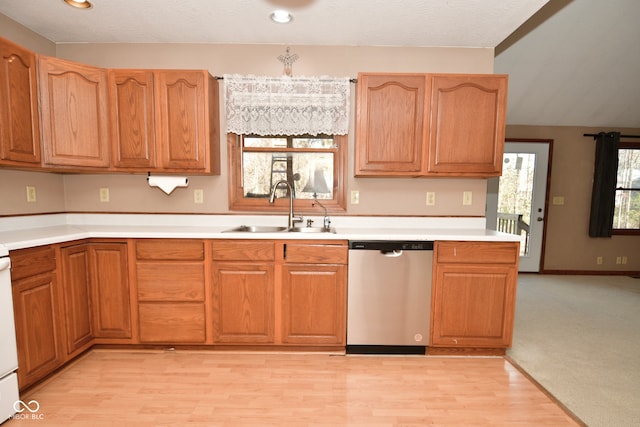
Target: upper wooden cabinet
<point>132,121</point>
<point>19,120</point>
<point>390,124</point>
<point>430,124</point>
<point>164,120</point>
<point>468,116</point>
<point>74,114</point>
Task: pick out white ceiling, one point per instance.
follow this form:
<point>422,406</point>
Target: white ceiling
<point>575,62</point>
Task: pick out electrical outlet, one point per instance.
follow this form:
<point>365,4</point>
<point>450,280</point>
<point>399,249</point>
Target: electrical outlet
<point>355,197</point>
<point>467,198</point>
<point>599,260</point>
<point>431,198</point>
<point>198,196</point>
<point>31,194</point>
<point>104,194</point>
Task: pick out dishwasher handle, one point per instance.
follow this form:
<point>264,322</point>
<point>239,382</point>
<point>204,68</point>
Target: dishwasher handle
<point>392,254</point>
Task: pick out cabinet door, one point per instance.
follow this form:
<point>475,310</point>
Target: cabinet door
<point>468,117</point>
<point>243,302</point>
<point>110,290</point>
<point>35,302</point>
<point>77,300</point>
<point>73,102</point>
<point>19,121</point>
<point>390,124</point>
<point>132,119</point>
<point>182,116</point>
<point>473,305</point>
<point>314,304</point>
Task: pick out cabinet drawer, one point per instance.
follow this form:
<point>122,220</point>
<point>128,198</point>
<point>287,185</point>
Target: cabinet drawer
<point>29,262</point>
<point>170,281</point>
<point>182,323</point>
<point>243,250</point>
<point>170,249</point>
<point>320,253</point>
<point>477,252</point>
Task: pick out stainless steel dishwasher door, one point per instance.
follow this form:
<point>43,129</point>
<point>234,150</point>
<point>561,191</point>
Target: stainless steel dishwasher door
<point>389,294</point>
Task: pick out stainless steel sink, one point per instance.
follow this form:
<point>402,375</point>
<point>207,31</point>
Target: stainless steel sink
<point>274,229</point>
<point>256,229</point>
<point>312,230</point>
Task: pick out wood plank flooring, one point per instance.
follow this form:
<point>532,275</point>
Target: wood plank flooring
<point>200,388</point>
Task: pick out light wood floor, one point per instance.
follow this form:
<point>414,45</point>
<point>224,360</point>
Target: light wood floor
<point>182,388</point>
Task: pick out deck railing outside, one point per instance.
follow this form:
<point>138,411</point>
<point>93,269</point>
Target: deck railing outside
<point>513,224</point>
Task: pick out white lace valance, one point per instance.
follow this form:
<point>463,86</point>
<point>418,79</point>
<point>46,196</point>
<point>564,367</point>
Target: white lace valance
<point>287,105</point>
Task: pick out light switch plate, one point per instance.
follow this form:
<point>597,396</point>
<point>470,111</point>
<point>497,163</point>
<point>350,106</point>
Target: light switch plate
<point>467,198</point>
<point>431,198</point>
<point>198,196</point>
<point>104,194</point>
<point>355,197</point>
<point>31,194</point>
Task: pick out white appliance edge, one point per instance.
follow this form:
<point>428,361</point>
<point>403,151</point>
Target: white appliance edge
<point>8,352</point>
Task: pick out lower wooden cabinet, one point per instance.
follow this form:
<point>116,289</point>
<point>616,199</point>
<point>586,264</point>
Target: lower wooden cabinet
<point>474,290</point>
<point>170,289</point>
<point>279,292</point>
<point>36,304</point>
<point>110,291</point>
<point>243,292</point>
<point>314,293</point>
<point>77,301</point>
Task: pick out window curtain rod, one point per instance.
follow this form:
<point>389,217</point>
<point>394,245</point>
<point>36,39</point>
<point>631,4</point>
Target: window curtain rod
<point>351,80</point>
<point>595,135</point>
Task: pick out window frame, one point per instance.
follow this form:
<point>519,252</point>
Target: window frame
<point>237,201</point>
<point>625,145</point>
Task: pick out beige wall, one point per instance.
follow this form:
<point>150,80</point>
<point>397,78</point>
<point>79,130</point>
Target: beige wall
<point>568,245</point>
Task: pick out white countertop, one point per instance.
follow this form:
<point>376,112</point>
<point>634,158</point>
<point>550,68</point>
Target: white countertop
<point>30,231</point>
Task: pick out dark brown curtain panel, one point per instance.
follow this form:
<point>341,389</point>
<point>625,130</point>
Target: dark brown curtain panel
<point>604,184</point>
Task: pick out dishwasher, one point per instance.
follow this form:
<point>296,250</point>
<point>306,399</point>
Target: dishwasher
<point>389,297</point>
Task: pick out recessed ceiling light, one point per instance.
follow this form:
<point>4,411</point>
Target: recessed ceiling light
<point>280,16</point>
<point>80,4</point>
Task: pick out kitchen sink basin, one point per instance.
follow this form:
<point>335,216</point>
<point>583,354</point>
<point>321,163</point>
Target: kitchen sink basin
<point>274,229</point>
<point>312,230</point>
<point>256,229</point>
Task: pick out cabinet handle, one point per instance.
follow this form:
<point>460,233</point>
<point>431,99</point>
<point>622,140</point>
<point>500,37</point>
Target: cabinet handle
<point>284,251</point>
<point>455,251</point>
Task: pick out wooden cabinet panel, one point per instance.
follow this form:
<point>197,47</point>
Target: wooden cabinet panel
<point>316,253</point>
<point>38,328</point>
<point>170,249</point>
<point>110,290</point>
<point>186,108</point>
<point>390,124</point>
<point>170,282</point>
<point>473,302</point>
<point>19,118</point>
<point>77,302</point>
<point>468,116</point>
<point>171,299</point>
<point>32,261</point>
<point>243,250</point>
<point>73,102</point>
<point>477,253</point>
<point>314,304</point>
<point>243,302</point>
<point>133,129</point>
<point>172,323</point>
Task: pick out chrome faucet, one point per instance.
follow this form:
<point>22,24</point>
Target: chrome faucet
<point>326,223</point>
<point>292,219</point>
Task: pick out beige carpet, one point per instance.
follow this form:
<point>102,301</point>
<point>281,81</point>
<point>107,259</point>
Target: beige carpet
<point>579,337</point>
